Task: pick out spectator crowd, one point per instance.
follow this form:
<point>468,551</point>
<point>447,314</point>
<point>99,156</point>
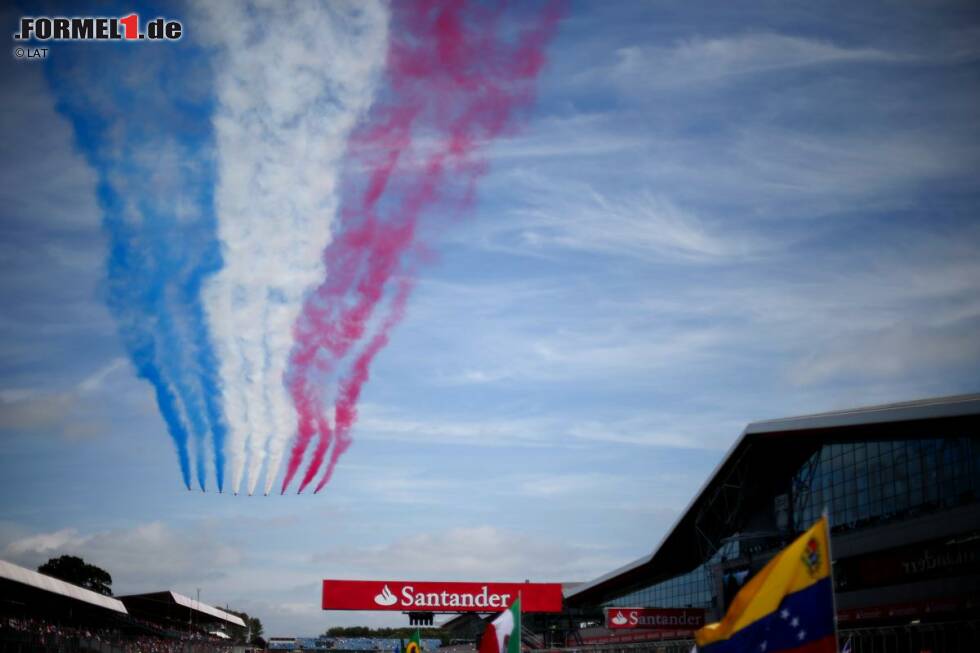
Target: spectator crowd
<point>21,633</point>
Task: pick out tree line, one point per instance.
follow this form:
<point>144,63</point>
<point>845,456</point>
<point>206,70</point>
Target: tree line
<point>386,633</point>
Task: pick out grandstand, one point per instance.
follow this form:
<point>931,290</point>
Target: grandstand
<point>176,610</point>
<point>41,613</point>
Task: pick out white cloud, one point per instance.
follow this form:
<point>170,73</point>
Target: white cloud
<point>77,411</point>
<point>147,557</point>
<point>641,225</point>
<point>376,422</point>
<point>42,543</point>
<point>582,135</point>
<point>545,486</point>
<point>699,61</point>
<point>899,351</point>
<point>632,427</point>
<point>832,169</point>
<point>477,553</point>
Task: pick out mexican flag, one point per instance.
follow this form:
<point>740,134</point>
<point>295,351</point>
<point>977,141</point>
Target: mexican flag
<point>503,634</point>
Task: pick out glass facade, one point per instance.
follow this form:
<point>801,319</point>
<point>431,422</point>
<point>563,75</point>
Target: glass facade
<point>866,483</point>
<point>692,589</point>
<point>861,484</point>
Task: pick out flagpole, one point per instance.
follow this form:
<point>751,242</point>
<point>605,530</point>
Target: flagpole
<point>830,567</point>
<point>520,621</point>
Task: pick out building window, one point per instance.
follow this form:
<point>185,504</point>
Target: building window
<point>869,482</point>
<point>692,589</point>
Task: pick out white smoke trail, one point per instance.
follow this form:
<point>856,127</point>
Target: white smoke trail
<point>292,80</point>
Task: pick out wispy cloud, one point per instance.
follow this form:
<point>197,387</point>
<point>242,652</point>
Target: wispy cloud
<point>701,61</point>
<point>545,486</point>
<point>376,423</point>
<point>73,412</point>
<point>641,225</point>
<point>580,135</point>
<point>470,553</point>
<point>636,428</point>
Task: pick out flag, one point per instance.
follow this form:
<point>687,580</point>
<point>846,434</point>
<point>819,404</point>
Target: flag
<point>414,643</point>
<point>503,634</point>
<point>787,606</point>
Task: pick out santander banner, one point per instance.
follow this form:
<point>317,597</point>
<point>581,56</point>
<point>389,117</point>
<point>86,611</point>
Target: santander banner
<point>654,618</point>
<point>424,596</point>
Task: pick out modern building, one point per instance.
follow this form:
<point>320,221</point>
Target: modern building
<point>901,486</point>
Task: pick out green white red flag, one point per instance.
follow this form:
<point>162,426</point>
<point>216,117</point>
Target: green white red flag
<point>503,634</point>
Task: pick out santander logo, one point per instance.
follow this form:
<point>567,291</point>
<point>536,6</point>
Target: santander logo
<point>385,598</point>
<point>409,598</point>
<point>619,619</point>
<point>426,596</point>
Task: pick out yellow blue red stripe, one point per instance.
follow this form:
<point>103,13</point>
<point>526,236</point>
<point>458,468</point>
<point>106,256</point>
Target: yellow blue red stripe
<point>787,606</point>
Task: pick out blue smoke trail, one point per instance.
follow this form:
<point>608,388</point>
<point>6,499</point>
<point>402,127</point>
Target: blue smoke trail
<point>142,117</point>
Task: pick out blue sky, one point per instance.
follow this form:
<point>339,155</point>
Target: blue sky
<point>712,214</point>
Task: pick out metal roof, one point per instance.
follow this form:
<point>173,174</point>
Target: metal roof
<point>955,406</point>
<point>193,604</point>
<point>820,428</point>
<point>140,601</point>
<point>18,574</point>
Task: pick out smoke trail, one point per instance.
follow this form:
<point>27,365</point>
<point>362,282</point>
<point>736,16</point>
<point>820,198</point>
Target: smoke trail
<point>141,120</point>
<point>454,82</point>
<point>293,78</point>
<point>345,411</point>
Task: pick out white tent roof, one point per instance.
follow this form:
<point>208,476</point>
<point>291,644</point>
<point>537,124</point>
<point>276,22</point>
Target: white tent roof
<point>18,574</point>
<point>188,602</point>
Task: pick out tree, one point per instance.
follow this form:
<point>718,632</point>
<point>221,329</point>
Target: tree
<point>76,571</point>
<point>255,627</point>
<point>251,634</point>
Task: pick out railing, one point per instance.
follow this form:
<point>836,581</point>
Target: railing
<point>530,639</point>
<point>948,637</point>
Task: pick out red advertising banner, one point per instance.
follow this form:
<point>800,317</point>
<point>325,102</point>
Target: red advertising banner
<point>904,610</point>
<point>630,636</point>
<point>654,618</point>
<point>424,596</point>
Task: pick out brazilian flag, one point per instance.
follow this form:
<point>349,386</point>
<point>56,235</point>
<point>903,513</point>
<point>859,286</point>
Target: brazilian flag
<point>415,643</point>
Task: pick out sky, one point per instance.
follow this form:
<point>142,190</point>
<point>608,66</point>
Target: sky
<point>697,215</point>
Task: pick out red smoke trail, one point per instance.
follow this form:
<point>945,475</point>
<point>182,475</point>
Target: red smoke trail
<point>345,411</point>
<point>454,83</point>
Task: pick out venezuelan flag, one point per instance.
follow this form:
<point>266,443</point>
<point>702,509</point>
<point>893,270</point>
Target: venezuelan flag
<point>787,606</point>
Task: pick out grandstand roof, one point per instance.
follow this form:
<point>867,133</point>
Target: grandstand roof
<point>790,441</point>
<point>24,576</point>
<point>170,602</point>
